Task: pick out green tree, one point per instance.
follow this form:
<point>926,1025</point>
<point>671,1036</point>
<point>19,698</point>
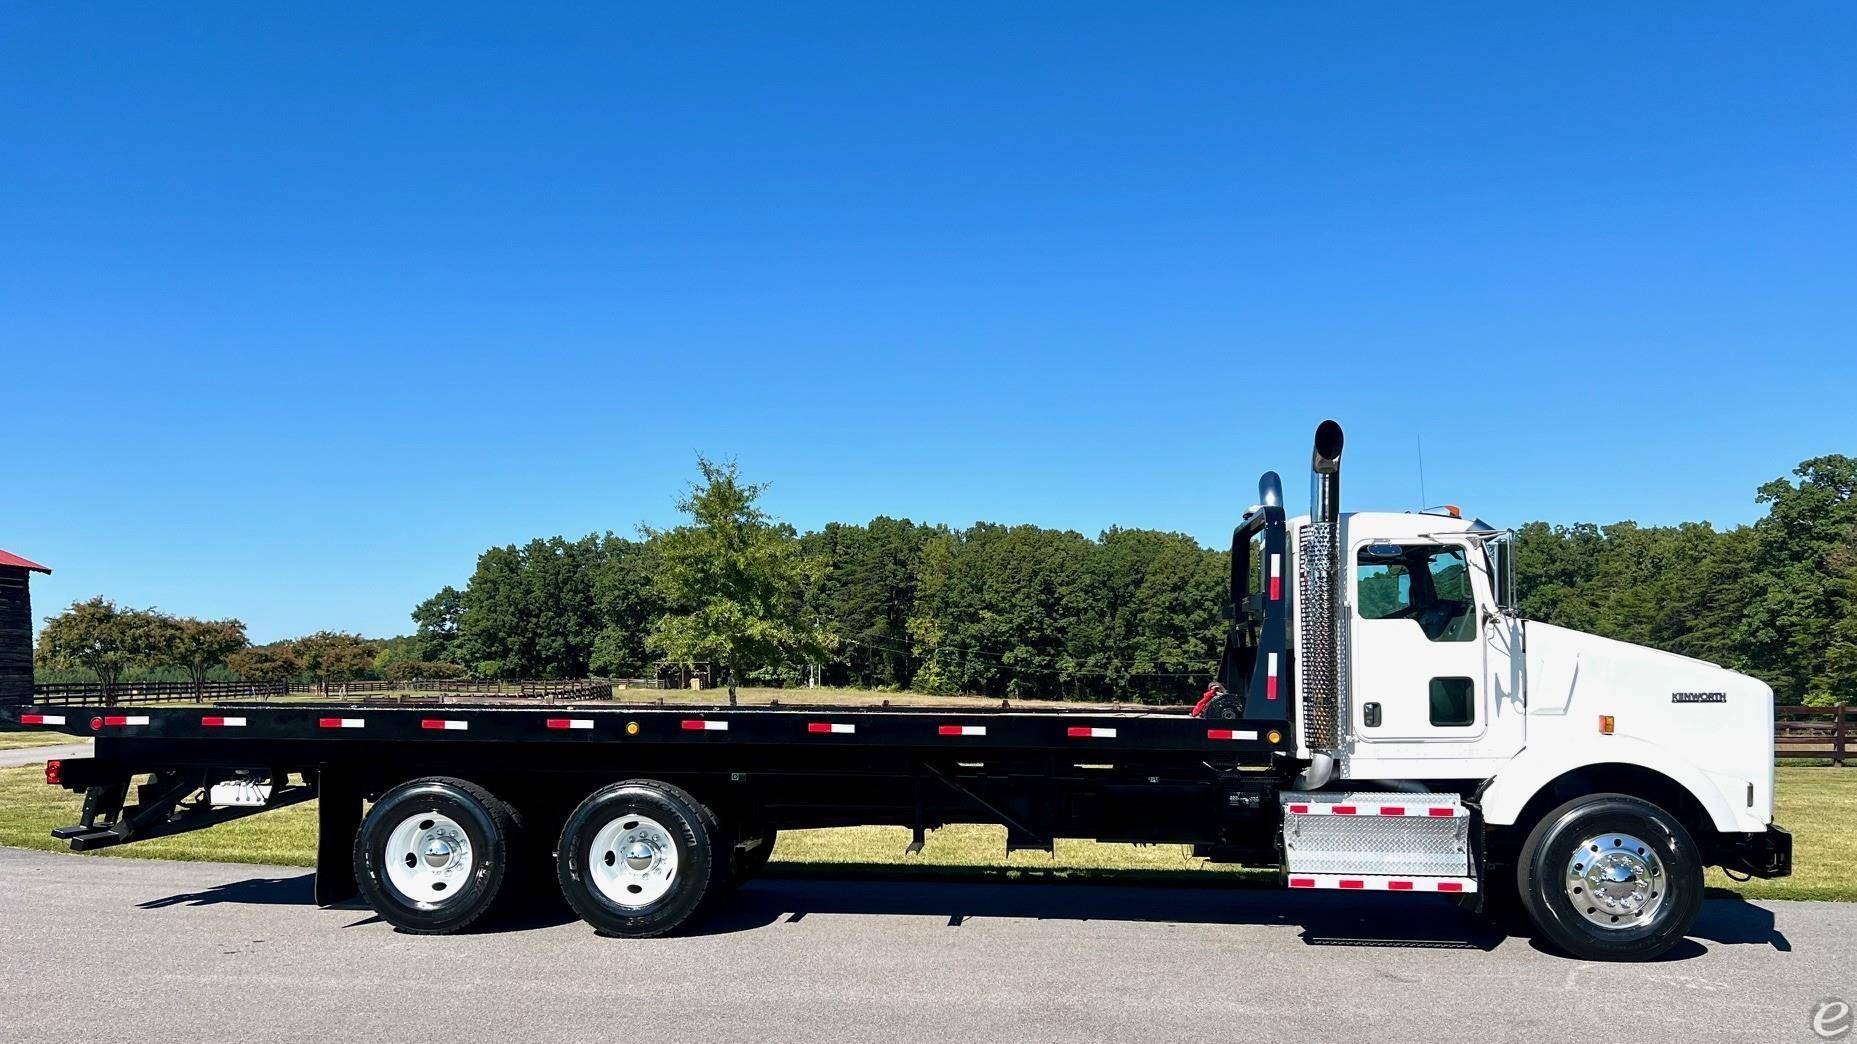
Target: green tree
<point>867,595</point>
<point>436,620</point>
<point>423,670</point>
<point>276,662</point>
<point>732,581</point>
<point>1800,626</point>
<point>97,636</point>
<point>198,646</point>
<point>625,605</point>
<point>334,656</point>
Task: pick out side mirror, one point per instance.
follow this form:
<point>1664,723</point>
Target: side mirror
<point>1501,551</point>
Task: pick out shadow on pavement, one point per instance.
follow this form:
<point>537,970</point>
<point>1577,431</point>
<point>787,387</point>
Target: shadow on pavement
<point>1326,918</point>
<point>258,891</point>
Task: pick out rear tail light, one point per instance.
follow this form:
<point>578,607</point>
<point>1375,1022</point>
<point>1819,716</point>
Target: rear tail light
<point>54,772</point>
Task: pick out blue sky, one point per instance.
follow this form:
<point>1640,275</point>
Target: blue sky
<point>302,308</point>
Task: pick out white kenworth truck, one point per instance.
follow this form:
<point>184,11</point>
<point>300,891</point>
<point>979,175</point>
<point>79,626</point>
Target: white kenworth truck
<point>1383,721</point>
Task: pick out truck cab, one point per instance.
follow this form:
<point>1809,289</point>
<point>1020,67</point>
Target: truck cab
<point>1416,674</point>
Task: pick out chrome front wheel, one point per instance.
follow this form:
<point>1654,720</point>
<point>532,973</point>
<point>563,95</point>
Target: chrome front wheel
<point>1616,881</point>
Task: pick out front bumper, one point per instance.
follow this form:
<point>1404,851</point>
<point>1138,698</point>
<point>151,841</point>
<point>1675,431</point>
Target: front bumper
<point>1766,854</point>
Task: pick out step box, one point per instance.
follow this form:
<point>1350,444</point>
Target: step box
<point>1376,834</point>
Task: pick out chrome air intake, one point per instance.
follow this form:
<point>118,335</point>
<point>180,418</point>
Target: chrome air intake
<point>1320,655</point>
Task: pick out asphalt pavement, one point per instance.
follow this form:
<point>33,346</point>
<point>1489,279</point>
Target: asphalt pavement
<point>137,950</point>
<point>17,756</point>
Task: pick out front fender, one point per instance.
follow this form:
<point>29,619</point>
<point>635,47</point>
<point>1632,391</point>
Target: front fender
<point>1535,767</point>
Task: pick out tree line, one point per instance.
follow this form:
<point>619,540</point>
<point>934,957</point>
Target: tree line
<point>1131,614</point>
<point>112,643</point>
<point>1011,611</point>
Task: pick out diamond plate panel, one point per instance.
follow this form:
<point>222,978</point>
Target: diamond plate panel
<point>1373,844</point>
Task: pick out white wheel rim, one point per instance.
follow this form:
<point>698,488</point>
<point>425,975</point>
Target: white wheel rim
<point>1616,881</point>
<point>632,861</point>
<point>429,858</point>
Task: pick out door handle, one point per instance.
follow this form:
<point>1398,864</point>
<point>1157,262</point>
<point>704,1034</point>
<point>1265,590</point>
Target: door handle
<point>1370,714</point>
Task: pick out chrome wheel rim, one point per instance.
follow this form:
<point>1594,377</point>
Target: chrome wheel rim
<point>1616,881</point>
<point>633,861</point>
<point>429,858</point>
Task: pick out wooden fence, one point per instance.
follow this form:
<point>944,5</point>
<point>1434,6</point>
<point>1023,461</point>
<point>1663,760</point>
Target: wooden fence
<point>92,694</point>
<point>1813,732</point>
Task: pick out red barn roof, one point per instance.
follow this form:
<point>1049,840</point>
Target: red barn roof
<point>8,558</point>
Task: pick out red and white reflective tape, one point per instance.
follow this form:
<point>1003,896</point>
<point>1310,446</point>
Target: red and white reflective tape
<point>1082,732</point>
<point>833,727</point>
<point>1383,883</point>
<point>445,724</point>
<point>570,723</point>
<point>1270,678</point>
<point>1230,734</point>
<point>222,723</point>
<point>41,719</point>
<point>962,730</point>
<point>341,723</point>
<point>1276,577</point>
<point>131,719</point>
<point>1415,810</point>
<point>704,725</point>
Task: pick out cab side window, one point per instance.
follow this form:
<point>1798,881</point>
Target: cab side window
<point>1426,583</point>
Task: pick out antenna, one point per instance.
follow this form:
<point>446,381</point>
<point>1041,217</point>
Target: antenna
<point>1421,440</point>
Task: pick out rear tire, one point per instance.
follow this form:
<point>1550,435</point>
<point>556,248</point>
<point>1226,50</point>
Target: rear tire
<point>638,858</point>
<point>1611,878</point>
<point>432,855</point>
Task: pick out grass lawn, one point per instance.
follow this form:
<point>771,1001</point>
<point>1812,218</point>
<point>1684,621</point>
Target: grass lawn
<point>1819,805</point>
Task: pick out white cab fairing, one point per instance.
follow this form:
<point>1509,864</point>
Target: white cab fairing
<point>1702,725</point>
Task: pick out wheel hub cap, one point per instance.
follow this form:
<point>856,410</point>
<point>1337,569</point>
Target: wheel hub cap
<point>438,852</point>
<point>428,858</point>
<point>632,861</point>
<point>1616,881</point>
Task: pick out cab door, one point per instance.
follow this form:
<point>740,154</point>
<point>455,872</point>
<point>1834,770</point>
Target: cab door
<point>1417,658</point>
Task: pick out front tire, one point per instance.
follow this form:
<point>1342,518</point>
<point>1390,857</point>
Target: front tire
<point>637,858</point>
<point>1610,877</point>
<point>431,856</point>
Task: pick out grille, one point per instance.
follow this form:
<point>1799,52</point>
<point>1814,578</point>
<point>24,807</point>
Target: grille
<point>1319,640</point>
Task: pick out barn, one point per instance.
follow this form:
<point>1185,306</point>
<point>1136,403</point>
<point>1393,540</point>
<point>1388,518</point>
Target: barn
<point>16,627</point>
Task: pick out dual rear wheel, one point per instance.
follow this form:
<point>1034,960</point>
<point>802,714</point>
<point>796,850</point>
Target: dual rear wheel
<point>638,858</point>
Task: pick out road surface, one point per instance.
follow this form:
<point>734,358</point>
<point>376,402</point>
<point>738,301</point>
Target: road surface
<point>135,950</point>
<point>16,756</point>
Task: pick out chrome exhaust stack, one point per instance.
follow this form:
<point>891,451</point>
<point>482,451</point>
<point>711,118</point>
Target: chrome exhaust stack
<point>1270,490</point>
<point>1321,655</point>
<point>1325,474</point>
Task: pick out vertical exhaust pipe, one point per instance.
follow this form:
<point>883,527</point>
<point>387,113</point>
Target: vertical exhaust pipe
<point>1323,663</point>
<point>1325,474</point>
<point>1270,490</point>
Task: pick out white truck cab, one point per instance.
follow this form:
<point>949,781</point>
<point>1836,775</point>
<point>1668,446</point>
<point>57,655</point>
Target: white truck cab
<point>1597,777</point>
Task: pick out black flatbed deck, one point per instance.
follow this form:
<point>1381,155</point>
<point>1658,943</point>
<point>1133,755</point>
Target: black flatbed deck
<point>655,724</point>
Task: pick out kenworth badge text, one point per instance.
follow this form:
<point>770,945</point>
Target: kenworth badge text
<point>1383,721</point>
